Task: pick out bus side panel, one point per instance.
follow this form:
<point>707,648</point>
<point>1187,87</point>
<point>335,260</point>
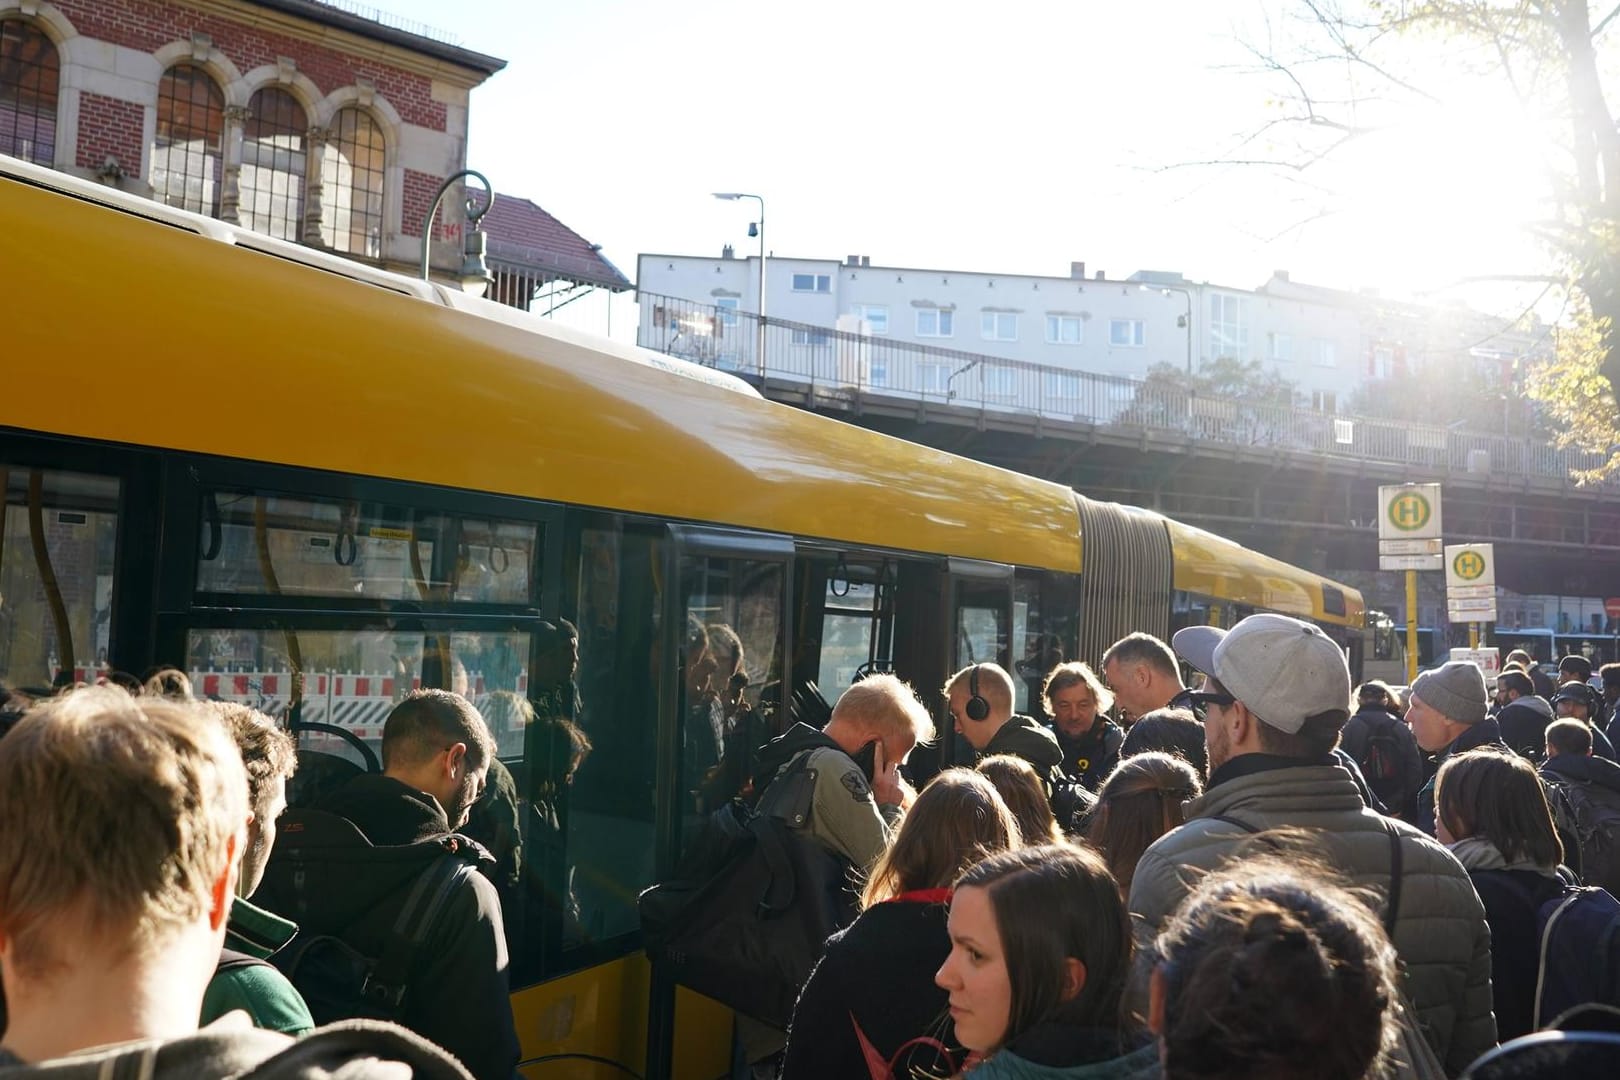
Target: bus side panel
<point>602,1011</point>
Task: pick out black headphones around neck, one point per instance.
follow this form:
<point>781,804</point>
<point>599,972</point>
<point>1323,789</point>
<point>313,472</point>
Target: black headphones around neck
<point>976,708</point>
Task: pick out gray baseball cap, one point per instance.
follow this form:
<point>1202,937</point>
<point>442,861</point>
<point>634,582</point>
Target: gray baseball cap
<point>1284,670</point>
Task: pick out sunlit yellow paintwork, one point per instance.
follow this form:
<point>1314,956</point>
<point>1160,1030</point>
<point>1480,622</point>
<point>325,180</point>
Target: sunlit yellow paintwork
<point>603,1012</point>
<point>1216,567</point>
<point>266,359</point>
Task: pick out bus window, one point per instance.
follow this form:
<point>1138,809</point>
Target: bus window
<point>1045,619</point>
<point>345,682</point>
<point>265,544</point>
<point>58,534</point>
<point>732,648</point>
<point>857,624</point>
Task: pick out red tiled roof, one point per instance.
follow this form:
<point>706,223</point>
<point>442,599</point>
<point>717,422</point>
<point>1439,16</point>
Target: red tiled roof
<point>525,238</point>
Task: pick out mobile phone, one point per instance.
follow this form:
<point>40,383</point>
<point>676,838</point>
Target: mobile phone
<point>866,758</point>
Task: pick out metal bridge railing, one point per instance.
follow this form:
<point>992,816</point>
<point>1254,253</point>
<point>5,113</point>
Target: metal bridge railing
<point>728,339</point>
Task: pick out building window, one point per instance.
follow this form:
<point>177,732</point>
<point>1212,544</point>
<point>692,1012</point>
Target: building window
<point>1324,401</point>
<point>1325,353</point>
<point>1060,387</point>
<point>811,337</point>
<point>1382,364</point>
<point>727,306</point>
<point>1126,333</point>
<point>29,75</point>
<point>1064,330</point>
<point>876,316</point>
<point>819,283</point>
<point>934,322</point>
<point>1000,382</point>
<point>998,326</point>
<point>186,162</point>
<point>1280,347</point>
<point>352,170</point>
<point>1228,326</point>
<point>878,376</point>
<point>933,378</point>
<point>274,165</point>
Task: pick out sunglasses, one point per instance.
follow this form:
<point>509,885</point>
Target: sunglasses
<point>1201,700</point>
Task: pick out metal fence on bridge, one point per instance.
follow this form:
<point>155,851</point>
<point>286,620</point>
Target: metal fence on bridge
<point>835,360</point>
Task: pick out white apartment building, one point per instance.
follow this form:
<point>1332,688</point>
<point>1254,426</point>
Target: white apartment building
<point>1324,341</point>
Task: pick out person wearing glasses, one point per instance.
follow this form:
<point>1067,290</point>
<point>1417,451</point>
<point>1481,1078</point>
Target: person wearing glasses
<point>1276,699</point>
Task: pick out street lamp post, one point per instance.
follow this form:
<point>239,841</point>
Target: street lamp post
<point>1188,294</point>
<point>474,273</point>
<point>759,315</point>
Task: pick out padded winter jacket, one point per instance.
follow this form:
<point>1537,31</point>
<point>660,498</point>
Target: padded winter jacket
<point>1440,933</point>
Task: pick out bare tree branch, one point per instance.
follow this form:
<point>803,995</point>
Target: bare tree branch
<point>1604,22</point>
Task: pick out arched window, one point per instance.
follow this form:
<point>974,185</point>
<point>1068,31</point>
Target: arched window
<point>186,163</point>
<point>352,184</point>
<point>29,76</point>
<point>273,165</point>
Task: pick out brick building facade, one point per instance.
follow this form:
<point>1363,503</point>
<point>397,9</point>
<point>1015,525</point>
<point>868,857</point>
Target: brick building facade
<point>291,117</point>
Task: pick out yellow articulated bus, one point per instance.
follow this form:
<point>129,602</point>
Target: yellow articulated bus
<point>314,485</point>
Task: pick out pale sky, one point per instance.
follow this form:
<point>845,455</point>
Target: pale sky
<point>1011,136</point>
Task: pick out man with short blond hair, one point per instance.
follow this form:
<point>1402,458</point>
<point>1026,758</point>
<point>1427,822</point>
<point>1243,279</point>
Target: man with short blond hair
<point>980,700</point>
<point>124,819</point>
<point>106,942</point>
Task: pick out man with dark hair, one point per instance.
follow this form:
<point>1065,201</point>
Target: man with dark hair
<point>1382,747</point>
<point>1568,737</point>
<point>243,980</point>
<point>1143,675</point>
<point>1278,694</point>
<point>1610,674</point>
<point>1448,713</point>
<point>1522,715</point>
<point>436,752</point>
<point>1578,701</point>
<point>1543,685</point>
<point>1574,668</point>
<point>1584,791</point>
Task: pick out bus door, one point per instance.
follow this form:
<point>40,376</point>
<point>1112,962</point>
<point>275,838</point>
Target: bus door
<point>981,619</point>
<point>723,645</point>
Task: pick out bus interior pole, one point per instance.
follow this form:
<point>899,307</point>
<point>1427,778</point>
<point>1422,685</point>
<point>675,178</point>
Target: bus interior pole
<point>1411,627</point>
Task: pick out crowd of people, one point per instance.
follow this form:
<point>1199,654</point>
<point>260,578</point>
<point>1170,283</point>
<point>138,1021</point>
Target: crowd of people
<point>1268,874</point>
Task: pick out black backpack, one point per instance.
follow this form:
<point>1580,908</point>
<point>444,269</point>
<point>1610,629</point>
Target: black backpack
<point>338,980</point>
<point>752,904</point>
<point>1592,813</point>
<point>1579,956</point>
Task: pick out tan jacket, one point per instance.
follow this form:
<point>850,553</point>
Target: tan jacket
<point>1441,934</point>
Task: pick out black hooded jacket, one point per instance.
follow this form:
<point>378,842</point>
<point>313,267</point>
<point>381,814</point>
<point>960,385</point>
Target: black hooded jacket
<point>457,994</point>
<point>1524,723</point>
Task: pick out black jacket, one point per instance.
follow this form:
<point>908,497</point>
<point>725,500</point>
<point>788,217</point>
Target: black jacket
<point>1089,759</point>
<point>1524,723</point>
<point>1484,733</point>
<point>1512,898</point>
<point>1022,737</point>
<point>1402,776</point>
<point>878,975</point>
<point>457,995</point>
